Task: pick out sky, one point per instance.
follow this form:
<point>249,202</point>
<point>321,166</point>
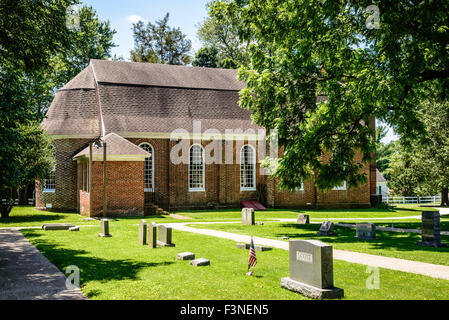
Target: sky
<point>185,14</point>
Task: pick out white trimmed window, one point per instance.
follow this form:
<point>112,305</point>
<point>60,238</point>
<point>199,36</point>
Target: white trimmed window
<point>196,168</point>
<point>247,168</point>
<point>49,183</point>
<point>341,187</point>
<point>148,168</point>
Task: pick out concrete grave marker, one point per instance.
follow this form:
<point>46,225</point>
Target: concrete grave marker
<point>311,270</point>
<point>262,248</point>
<point>165,237</point>
<point>326,229</point>
<point>74,228</point>
<point>57,226</point>
<point>365,231</point>
<point>243,246</point>
<point>303,219</point>
<point>431,229</point>
<point>200,262</point>
<point>185,256</point>
<point>152,235</point>
<point>248,216</point>
<point>142,232</point>
<point>104,228</point>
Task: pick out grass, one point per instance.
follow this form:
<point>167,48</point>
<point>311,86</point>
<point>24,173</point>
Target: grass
<point>118,268</point>
<point>389,244</point>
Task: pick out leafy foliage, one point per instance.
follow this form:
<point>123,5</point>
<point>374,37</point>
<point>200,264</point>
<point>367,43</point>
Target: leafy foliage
<point>303,50</point>
<point>160,43</point>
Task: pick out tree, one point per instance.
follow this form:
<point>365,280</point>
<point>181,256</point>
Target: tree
<point>159,43</point>
<point>421,167</point>
<point>223,34</point>
<point>384,152</point>
<point>37,53</point>
<point>304,50</point>
<point>206,57</point>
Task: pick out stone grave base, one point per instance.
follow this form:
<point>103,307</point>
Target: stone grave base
<point>431,244</point>
<point>104,235</point>
<point>310,291</point>
<point>163,244</point>
<point>320,233</point>
<point>365,238</point>
<point>57,226</point>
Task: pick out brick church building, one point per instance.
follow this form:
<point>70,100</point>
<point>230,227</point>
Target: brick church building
<point>155,125</point>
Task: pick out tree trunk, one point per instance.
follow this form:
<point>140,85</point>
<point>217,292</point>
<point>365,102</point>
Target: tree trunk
<point>444,197</point>
<point>7,205</point>
<point>23,195</point>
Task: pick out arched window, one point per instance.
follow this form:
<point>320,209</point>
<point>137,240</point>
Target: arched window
<point>49,183</point>
<point>148,168</point>
<point>196,168</point>
<point>247,168</point>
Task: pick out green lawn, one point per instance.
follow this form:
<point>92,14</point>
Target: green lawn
<point>26,216</point>
<point>118,268</point>
<point>390,244</point>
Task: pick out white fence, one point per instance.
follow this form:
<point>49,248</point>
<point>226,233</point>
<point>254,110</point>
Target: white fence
<point>16,202</point>
<point>429,199</point>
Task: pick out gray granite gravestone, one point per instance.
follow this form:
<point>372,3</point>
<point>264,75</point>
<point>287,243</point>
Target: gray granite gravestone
<point>165,237</point>
<point>57,226</point>
<point>104,228</point>
<point>303,219</point>
<point>243,245</point>
<point>365,231</point>
<point>431,229</point>
<point>185,256</point>
<point>327,229</point>
<point>142,232</point>
<point>262,248</point>
<point>311,270</point>
<point>248,216</point>
<point>200,262</point>
<point>152,235</point>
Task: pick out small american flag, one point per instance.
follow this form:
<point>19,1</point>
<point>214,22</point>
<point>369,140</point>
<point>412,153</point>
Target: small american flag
<point>252,255</point>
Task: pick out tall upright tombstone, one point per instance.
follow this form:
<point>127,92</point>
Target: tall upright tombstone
<point>311,270</point>
<point>165,237</point>
<point>104,228</point>
<point>431,229</point>
<point>248,216</point>
<point>142,232</point>
<point>152,235</point>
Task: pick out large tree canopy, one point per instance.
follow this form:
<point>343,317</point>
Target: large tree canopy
<point>306,49</point>
<point>160,43</point>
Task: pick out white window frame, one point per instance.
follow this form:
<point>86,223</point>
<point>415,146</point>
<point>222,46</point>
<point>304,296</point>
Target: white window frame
<point>152,166</point>
<point>342,187</point>
<point>254,188</point>
<point>50,190</point>
<point>53,173</point>
<point>203,170</point>
<point>298,189</point>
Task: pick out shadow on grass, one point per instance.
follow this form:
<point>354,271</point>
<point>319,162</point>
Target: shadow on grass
<point>32,218</point>
<point>91,268</point>
<point>385,240</point>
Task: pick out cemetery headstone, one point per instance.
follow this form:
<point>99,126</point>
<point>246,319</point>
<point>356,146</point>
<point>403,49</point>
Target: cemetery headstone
<point>431,229</point>
<point>327,229</point>
<point>57,226</point>
<point>104,228</point>
<point>185,256</point>
<point>248,216</point>
<point>200,262</point>
<point>142,232</point>
<point>152,235</point>
<point>303,219</point>
<point>165,237</point>
<point>262,248</point>
<point>311,270</point>
<point>74,228</point>
<point>243,245</point>
<point>365,231</point>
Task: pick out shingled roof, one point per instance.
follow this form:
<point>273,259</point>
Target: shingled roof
<point>136,98</point>
<point>117,148</point>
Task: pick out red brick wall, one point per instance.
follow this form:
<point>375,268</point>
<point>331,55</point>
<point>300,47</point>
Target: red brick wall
<point>125,188</point>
